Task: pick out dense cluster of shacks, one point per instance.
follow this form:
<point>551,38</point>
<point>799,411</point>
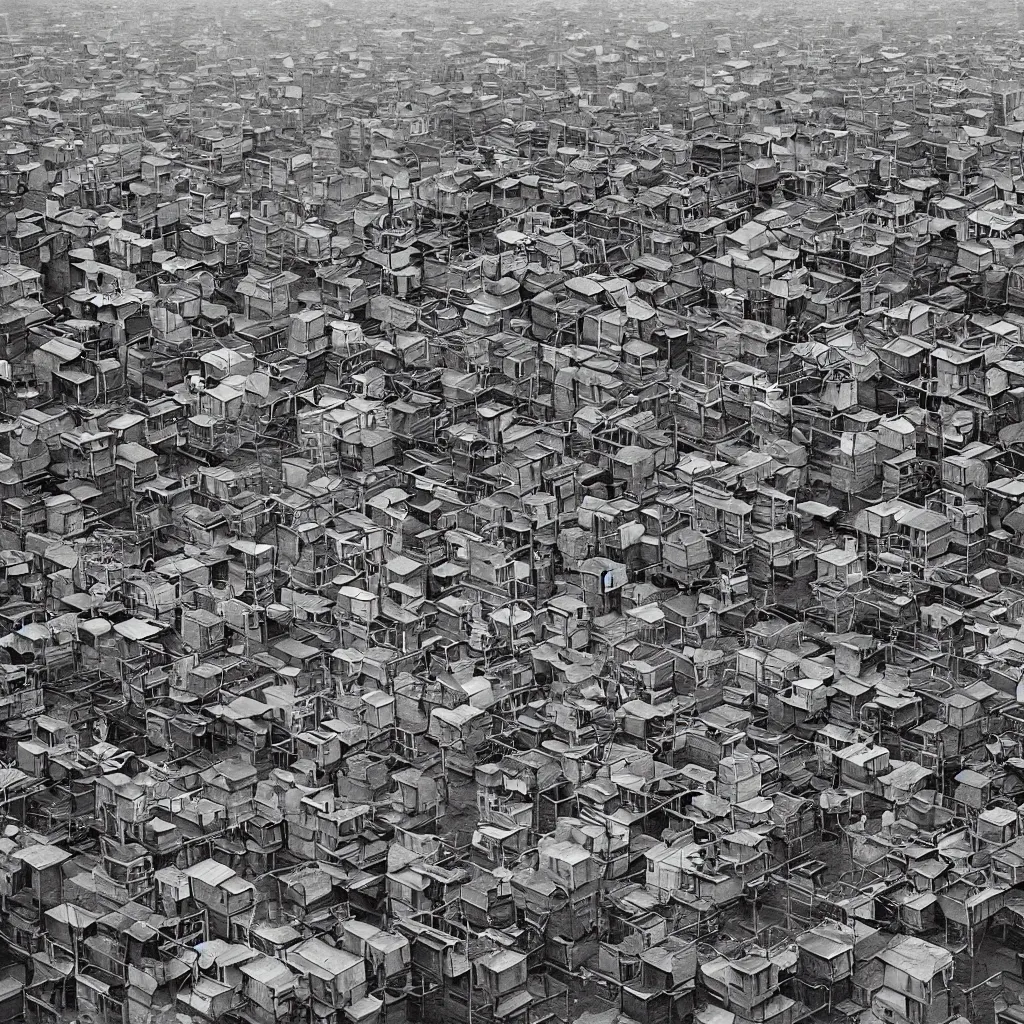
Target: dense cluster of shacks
<point>511,522</point>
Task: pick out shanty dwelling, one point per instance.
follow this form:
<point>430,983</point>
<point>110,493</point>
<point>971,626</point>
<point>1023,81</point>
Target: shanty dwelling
<point>727,523</point>
<point>51,991</point>
<point>805,700</point>
<point>974,791</point>
<point>851,695</point>
<point>861,764</point>
<point>306,893</point>
<point>664,989</point>
<point>716,736</point>
<point>794,820</point>
<point>459,732</point>
<point>499,979</point>
<point>919,912</point>
<point>771,672</point>
<point>967,912</point>
<point>125,874</point>
<point>434,956</point>
<point>336,978</point>
<point>995,829</point>
<point>34,876</point>
<point>687,867</point>
<point>224,894</point>
<point>957,729</point>
<point>826,964</point>
<point>749,987</point>
<point>902,781</point>
<point>747,854</point>
<point>915,983</point>
<point>892,709</point>
<point>487,901</point>
<point>388,958</point>
<point>266,295</point>
<point>208,997</point>
<point>649,726</point>
<point>840,575</point>
<point>686,556</point>
<point>269,989</point>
